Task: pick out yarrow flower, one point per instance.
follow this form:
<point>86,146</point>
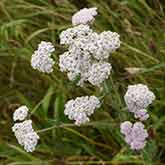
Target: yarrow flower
<point>24,132</point>
<point>98,72</point>
<point>21,129</point>
<point>87,54</point>
<point>100,46</point>
<point>137,98</point>
<point>20,113</point>
<point>105,44</point>
<point>126,127</point>
<point>71,34</point>
<point>135,134</point>
<point>30,142</point>
<point>141,114</point>
<point>84,16</point>
<point>76,65</point>
<point>41,59</point>
<point>81,108</point>
<point>25,135</point>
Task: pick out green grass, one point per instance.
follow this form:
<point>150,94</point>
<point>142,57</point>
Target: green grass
<point>23,24</point>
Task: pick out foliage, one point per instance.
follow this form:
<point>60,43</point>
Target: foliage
<point>23,24</point>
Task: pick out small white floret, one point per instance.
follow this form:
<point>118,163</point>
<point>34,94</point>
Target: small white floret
<point>84,16</point>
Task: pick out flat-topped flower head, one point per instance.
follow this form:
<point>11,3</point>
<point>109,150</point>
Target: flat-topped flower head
<point>138,131</point>
<point>21,129</point>
<point>99,72</point>
<point>20,113</point>
<point>41,59</point>
<point>111,40</point>
<point>25,135</point>
<point>126,127</point>
<point>82,59</point>
<point>100,46</point>
<point>71,34</point>
<point>74,60</point>
<point>46,48</point>
<point>30,141</point>
<point>88,52</point>
<point>81,108</point>
<point>135,134</point>
<point>75,63</point>
<point>138,97</point>
<point>84,16</point>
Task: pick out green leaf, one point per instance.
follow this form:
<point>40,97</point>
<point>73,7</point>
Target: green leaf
<point>149,152</point>
<point>46,100</point>
<point>24,100</point>
<point>59,108</point>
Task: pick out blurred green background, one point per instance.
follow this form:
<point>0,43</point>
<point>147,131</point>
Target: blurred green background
<point>23,24</point>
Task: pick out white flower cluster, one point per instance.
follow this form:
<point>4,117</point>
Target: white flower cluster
<point>135,134</point>
<point>41,59</point>
<point>137,98</point>
<point>81,108</point>
<point>20,113</point>
<point>68,36</point>
<point>84,16</point>
<point>24,131</point>
<point>99,72</point>
<point>87,54</point>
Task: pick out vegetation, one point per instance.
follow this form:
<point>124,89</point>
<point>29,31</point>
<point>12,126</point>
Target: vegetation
<point>23,24</point>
